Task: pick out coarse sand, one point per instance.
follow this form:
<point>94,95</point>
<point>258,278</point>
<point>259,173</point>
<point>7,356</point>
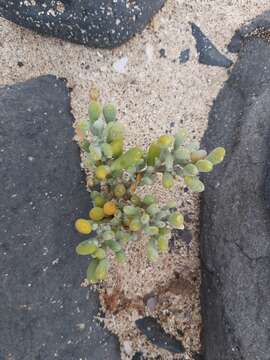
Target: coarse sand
<point>154,94</point>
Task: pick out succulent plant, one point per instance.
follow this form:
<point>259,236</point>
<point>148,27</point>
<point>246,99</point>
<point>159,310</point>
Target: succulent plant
<point>119,215</point>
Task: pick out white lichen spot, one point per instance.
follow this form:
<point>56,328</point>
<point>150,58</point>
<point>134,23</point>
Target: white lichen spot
<point>30,2</point>
<point>60,7</point>
<point>80,326</point>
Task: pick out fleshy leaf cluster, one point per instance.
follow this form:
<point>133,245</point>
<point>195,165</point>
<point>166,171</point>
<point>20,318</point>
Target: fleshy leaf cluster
<point>119,214</point>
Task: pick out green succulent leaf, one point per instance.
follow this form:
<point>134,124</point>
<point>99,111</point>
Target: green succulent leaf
<point>117,148</point>
<point>180,138</point>
<point>160,224</point>
<point>113,245</point>
<point>153,153</point>
<point>190,170</point>
<point>204,165</point>
<point>130,210</point>
<point>152,252</point>
<point>176,220</point>
<point>94,111</point>
<point>95,153</point>
<point>97,128</point>
<point>115,131</point>
<point>120,256</point>
<point>136,200</point>
<point>194,184</point>
<point>91,271</point>
<point>165,232</point>
<point>135,225</point>
<point>182,155</point>
<point>145,219</point>
<point>122,236</point>
<point>149,200</point>
<point>152,209</point>
<point>165,141</point>
<point>100,254</point>
<point>128,159</point>
<point>147,180</point>
<point>151,230</point>
<point>109,112</point>
<point>198,155</point>
<point>98,198</point>
<point>163,243</point>
<point>167,180</point>
<point>102,269</point>
<point>217,155</point>
<point>107,150</point>
<point>86,247</point>
<point>108,235</point>
<point>169,162</point>
<point>84,145</point>
<point>193,146</point>
<point>119,191</point>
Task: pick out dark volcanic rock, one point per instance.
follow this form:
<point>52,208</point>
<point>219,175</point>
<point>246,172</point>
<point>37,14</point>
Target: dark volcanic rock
<point>260,25</point>
<point>138,356</point>
<point>95,23</point>
<point>184,236</point>
<point>184,56</point>
<point>154,332</point>
<point>208,53</point>
<point>197,356</point>
<point>44,313</point>
<point>235,219</point>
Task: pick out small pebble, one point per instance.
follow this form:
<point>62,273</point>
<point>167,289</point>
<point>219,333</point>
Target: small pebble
<point>162,53</point>
<point>156,334</point>
<point>208,53</point>
<point>120,65</point>
<point>151,303</point>
<point>81,326</point>
<point>184,56</point>
<point>127,345</point>
<point>185,235</point>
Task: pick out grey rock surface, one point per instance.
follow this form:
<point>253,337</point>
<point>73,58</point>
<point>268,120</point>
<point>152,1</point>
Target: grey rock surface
<point>235,218</point>
<point>258,26</point>
<point>44,313</point>
<point>208,53</point>
<point>94,23</point>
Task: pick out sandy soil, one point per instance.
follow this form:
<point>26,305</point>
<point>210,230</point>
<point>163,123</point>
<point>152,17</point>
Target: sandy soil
<point>155,94</point>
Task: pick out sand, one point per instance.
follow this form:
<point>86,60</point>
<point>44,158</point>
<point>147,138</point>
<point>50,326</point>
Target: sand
<point>154,94</point>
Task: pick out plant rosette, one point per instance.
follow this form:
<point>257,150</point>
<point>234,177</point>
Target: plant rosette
<point>119,215</point>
